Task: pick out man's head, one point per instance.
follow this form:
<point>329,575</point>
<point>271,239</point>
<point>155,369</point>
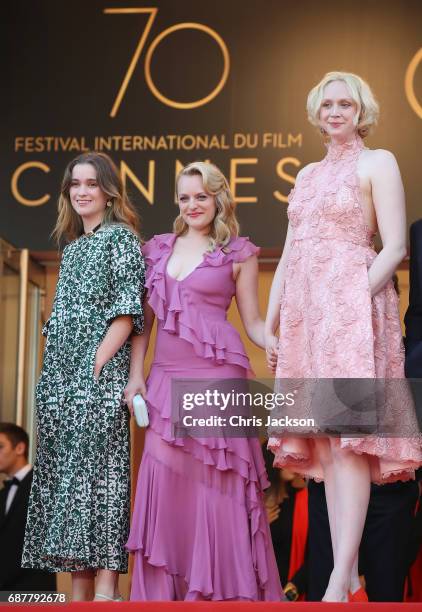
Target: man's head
<point>14,443</point>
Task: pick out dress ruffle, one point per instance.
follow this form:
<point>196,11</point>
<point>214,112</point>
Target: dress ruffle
<point>199,528</point>
<point>218,452</point>
<point>205,504</point>
<point>213,339</point>
<point>390,459</point>
<point>232,466</point>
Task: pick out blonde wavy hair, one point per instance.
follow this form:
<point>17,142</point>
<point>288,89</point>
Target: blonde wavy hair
<point>367,107</point>
<point>225,225</point>
<point>69,224</point>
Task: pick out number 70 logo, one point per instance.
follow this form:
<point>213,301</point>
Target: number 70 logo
<point>152,12</point>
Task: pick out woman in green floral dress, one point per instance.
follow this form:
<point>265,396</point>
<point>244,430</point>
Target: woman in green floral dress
<point>78,515</point>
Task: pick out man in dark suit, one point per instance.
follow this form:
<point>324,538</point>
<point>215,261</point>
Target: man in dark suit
<point>413,317</point>
<point>13,509</point>
<point>413,344</point>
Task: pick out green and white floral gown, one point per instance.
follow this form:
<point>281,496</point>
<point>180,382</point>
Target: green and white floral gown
<point>78,515</point>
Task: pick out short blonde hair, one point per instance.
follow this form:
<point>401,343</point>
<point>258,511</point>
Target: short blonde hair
<point>225,225</point>
<point>367,106</point>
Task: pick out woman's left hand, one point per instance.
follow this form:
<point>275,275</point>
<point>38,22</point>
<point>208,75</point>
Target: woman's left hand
<point>271,350</point>
<point>272,510</point>
<point>133,387</point>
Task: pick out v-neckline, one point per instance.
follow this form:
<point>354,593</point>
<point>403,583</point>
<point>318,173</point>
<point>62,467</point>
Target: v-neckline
<point>180,280</point>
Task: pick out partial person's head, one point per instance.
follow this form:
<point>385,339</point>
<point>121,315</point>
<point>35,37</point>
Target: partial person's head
<point>278,477</point>
<point>14,444</point>
<point>342,104</point>
<point>206,204</point>
<point>92,189</point>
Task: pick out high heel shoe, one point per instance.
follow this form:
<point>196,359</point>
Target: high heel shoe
<point>358,596</point>
<point>101,597</point>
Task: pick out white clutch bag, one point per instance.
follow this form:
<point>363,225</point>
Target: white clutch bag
<point>141,411</point>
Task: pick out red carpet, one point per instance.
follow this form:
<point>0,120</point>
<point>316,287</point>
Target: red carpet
<point>226,607</point>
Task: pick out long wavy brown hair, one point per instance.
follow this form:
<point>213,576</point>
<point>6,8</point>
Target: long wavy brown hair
<point>69,224</point>
<point>225,225</point>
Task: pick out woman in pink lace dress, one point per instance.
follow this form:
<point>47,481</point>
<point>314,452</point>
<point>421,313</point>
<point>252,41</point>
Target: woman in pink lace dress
<point>339,316</point>
<point>199,528</point>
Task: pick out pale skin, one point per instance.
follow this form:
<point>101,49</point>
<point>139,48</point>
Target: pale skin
<point>346,474</point>
<point>198,209</point>
<point>12,458</point>
<point>89,202</point>
<point>272,501</point>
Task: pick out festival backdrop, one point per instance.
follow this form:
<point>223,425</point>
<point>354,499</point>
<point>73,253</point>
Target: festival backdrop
<point>159,84</point>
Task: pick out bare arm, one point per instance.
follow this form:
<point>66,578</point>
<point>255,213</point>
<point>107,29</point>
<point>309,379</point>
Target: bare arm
<point>272,320</point>
<point>273,312</point>
<point>116,336</point>
<point>247,300</point>
<point>389,203</point>
<point>136,382</point>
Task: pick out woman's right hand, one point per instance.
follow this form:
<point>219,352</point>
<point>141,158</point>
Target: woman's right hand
<point>133,387</point>
<point>271,351</point>
<point>272,509</point>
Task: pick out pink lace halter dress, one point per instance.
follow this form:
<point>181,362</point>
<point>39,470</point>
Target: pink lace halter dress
<point>331,328</point>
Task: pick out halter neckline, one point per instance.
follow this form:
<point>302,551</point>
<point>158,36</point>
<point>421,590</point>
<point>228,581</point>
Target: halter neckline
<point>344,150</point>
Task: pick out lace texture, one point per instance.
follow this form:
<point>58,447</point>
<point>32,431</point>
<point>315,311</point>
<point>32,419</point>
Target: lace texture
<point>330,327</point>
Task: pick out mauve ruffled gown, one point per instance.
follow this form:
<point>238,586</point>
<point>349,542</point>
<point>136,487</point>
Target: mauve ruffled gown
<point>331,328</point>
<point>199,528</point>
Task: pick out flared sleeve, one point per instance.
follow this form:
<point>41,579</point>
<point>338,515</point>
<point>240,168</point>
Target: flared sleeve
<point>127,278</point>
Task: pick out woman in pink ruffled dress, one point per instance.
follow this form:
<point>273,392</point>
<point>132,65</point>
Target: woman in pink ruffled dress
<point>339,319</point>
<point>199,529</point>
